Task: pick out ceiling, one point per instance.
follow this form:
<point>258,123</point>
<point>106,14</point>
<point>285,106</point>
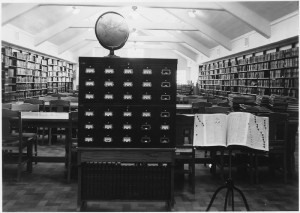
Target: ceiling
<point>163,24</point>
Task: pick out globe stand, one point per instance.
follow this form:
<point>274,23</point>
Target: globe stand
<point>112,54</point>
<point>229,185</point>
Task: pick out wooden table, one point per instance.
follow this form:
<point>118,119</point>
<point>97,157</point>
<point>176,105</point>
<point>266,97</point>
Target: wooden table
<point>184,106</point>
<point>50,120</point>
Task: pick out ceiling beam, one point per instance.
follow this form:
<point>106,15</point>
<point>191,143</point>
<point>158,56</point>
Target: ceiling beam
<point>202,27</point>
<point>166,39</point>
<point>148,26</point>
<point>183,50</point>
<point>252,19</point>
<point>64,24</point>
<point>73,41</point>
<point>191,4</point>
<point>87,50</point>
<point>13,11</point>
<point>191,42</point>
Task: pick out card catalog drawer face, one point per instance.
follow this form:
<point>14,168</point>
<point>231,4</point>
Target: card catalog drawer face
<point>109,71</point>
<point>147,71</point>
<point>89,70</point>
<point>89,83</point>
<point>109,83</point>
<point>128,71</point>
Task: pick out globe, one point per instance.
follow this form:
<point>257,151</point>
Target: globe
<point>111,31</point>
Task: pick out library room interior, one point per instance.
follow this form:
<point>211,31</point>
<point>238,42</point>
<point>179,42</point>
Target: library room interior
<point>135,106</point>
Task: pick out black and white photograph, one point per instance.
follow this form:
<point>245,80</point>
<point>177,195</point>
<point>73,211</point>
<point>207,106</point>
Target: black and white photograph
<point>149,105</point>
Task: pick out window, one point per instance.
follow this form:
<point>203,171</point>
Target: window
<point>181,77</point>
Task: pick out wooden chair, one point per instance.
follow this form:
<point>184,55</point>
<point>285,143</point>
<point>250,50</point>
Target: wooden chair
<point>41,104</point>
<point>58,106</point>
<point>6,105</point>
<point>13,145</point>
<point>277,155</point>
<point>26,107</point>
<point>30,132</point>
<point>185,151</point>
<point>71,148</point>
<point>199,107</point>
<point>223,104</point>
<point>217,109</point>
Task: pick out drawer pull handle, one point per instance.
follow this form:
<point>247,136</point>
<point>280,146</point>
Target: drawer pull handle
<point>107,139</point>
<point>88,139</point>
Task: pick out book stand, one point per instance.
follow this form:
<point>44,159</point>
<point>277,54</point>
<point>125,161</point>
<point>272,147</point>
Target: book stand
<point>229,185</point>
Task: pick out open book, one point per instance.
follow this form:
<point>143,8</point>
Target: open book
<point>236,128</point>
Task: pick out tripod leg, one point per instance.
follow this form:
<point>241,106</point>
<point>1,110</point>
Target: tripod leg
<point>232,200</point>
<point>244,198</point>
<point>214,196</point>
<point>226,199</point>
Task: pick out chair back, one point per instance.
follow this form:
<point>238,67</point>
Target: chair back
<point>223,104</point>
<point>58,95</point>
<point>184,129</point>
<point>71,99</point>
<point>217,109</point>
<point>7,116</point>
<point>41,103</point>
<point>6,105</point>
<point>59,106</point>
<point>278,124</point>
<point>48,98</point>
<point>190,101</point>
<point>199,107</point>
<point>25,107</point>
<point>73,123</point>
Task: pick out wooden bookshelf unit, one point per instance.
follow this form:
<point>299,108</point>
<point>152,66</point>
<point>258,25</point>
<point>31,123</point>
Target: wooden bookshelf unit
<point>28,74</point>
<point>267,70</point>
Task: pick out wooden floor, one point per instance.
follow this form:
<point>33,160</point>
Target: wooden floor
<point>46,190</point>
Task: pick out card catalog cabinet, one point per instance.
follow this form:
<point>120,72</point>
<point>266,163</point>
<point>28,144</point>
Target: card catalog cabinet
<point>127,103</point>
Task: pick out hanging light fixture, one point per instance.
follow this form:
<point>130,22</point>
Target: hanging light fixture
<point>134,32</point>
<point>192,13</point>
<point>134,14</point>
<point>76,10</point>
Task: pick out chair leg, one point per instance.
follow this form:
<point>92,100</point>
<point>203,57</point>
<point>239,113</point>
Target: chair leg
<point>284,168</point>
<point>43,136</point>
<point>29,156</point>
<point>35,148</point>
<point>49,136</point>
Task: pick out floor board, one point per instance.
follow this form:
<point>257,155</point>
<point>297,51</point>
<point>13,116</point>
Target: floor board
<point>46,190</point>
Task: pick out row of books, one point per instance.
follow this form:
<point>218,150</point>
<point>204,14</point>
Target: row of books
<point>291,62</point>
<point>59,79</point>
<point>24,79</point>
<point>284,53</point>
<point>8,88</point>
<point>23,71</point>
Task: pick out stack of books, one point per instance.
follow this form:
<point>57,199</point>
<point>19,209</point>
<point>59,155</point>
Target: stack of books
<point>235,99</point>
<point>278,103</point>
<point>262,100</point>
<point>293,108</point>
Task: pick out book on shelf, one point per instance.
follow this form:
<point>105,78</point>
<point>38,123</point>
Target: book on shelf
<point>236,128</point>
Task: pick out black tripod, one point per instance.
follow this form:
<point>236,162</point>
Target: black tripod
<point>230,188</point>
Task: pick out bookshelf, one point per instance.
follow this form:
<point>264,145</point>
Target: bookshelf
<point>29,74</point>
<point>271,69</point>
